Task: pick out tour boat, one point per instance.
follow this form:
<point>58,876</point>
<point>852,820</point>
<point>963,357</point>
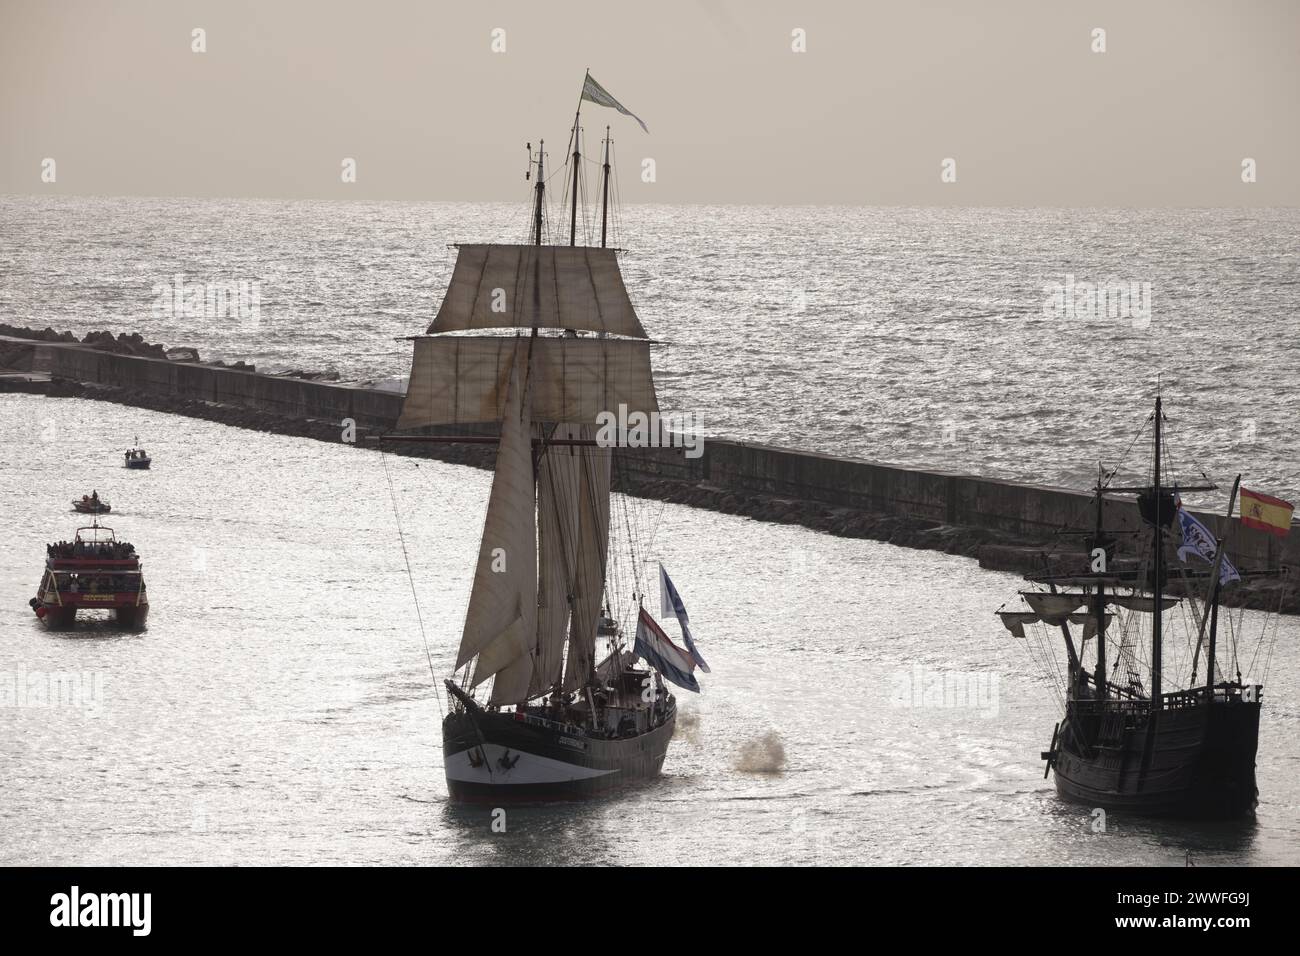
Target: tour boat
<point>95,570</point>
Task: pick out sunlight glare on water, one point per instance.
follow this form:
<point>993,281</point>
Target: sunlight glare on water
<point>279,706</point>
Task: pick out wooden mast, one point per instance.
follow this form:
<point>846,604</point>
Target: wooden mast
<point>577,156</point>
<point>1214,598</point>
<point>1099,600</point>
<point>573,210</point>
<point>604,198</point>
<point>541,188</point>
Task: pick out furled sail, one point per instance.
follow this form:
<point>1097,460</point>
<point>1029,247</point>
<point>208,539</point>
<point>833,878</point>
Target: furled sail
<point>589,581</point>
<point>462,379</point>
<point>1137,602</point>
<point>542,287</point>
<point>502,615</point>
<point>1053,608</point>
<point>1015,621</point>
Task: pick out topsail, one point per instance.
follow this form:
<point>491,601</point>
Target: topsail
<point>537,287</point>
<point>462,379</point>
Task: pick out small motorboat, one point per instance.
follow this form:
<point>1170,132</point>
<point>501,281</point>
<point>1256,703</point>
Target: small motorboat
<point>137,457</point>
<point>91,504</point>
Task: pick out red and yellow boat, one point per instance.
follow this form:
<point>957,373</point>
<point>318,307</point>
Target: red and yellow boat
<point>94,570</point>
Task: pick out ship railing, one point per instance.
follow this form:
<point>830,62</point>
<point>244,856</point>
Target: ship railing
<point>1126,693</point>
<point>91,561</point>
<point>561,726</point>
<point>64,577</point>
<point>90,570</point>
<point>1199,696</point>
<point>1112,705</point>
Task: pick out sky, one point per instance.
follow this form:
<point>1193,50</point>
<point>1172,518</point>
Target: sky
<point>883,93</point>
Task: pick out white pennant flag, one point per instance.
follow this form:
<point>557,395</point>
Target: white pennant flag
<point>593,91</point>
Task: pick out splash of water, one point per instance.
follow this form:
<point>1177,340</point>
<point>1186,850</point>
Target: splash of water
<point>689,726</point>
<point>764,754</point>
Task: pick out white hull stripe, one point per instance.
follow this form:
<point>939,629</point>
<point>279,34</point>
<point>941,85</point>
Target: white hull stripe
<point>527,769</point>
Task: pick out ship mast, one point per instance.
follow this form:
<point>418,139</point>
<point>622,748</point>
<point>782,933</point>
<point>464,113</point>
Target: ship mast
<point>604,198</point>
<point>1099,600</point>
<point>1215,584</point>
<point>541,189</point>
<point>573,210</point>
<point>1158,560</point>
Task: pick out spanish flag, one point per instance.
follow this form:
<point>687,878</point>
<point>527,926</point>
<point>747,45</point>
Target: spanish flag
<point>1265,512</point>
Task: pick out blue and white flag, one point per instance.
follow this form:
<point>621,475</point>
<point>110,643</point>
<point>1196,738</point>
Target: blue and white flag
<point>670,602</point>
<point>1200,541</point>
<point>662,654</point>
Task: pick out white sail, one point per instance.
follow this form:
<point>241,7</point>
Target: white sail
<point>462,379</point>
<point>589,582</point>
<point>559,499</point>
<point>547,287</point>
<point>515,648</point>
<point>501,619</point>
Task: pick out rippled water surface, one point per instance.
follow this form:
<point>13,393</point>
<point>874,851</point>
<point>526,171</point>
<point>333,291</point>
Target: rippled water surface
<point>280,708</point>
<point>909,335</point>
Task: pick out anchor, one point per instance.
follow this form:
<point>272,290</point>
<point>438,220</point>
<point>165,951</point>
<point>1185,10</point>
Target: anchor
<point>505,761</point>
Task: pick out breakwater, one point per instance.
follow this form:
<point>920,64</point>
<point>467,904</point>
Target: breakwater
<point>1003,524</point>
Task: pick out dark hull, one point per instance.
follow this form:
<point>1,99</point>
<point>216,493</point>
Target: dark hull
<point>495,758</point>
<point>64,618</point>
<point>1194,762</point>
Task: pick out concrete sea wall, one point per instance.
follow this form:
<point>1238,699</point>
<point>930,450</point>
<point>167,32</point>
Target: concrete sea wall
<point>1002,523</point>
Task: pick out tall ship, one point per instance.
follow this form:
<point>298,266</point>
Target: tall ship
<point>560,683</point>
<point>96,570</point>
<point>1162,685</point>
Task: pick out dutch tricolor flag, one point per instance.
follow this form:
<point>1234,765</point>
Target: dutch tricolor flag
<point>662,654</point>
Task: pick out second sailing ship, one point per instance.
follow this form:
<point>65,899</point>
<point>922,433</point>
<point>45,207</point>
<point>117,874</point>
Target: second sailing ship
<point>1127,741</point>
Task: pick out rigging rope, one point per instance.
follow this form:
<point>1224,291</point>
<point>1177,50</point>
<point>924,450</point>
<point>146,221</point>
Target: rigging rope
<point>392,492</point>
